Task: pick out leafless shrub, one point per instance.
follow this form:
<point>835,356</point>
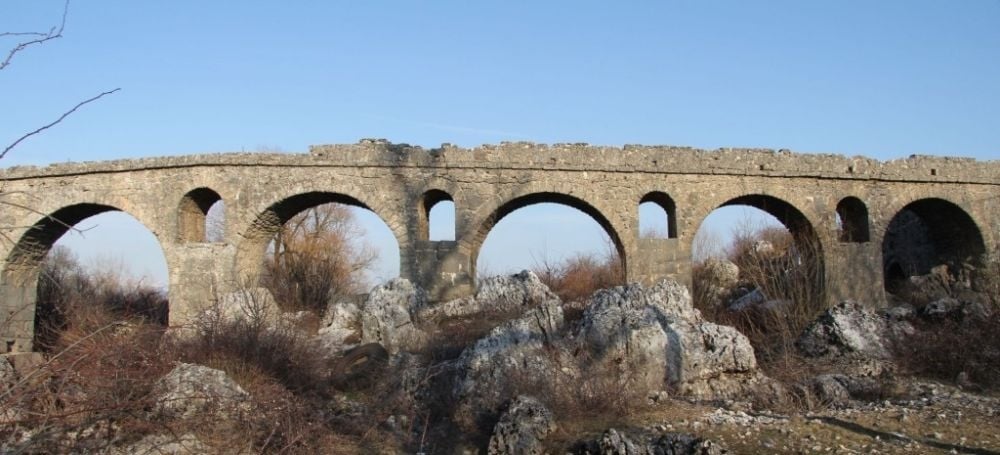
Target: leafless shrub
<point>786,270</point>
<point>65,288</point>
<point>577,278</point>
<point>944,349</point>
<point>316,256</point>
<point>256,341</point>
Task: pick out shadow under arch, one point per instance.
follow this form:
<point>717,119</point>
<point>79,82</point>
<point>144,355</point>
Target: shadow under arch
<point>479,236</point>
<point>23,266</point>
<point>926,233</point>
<point>252,249</point>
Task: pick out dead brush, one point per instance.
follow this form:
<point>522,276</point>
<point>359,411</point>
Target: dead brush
<point>966,351</point>
<point>93,390</point>
<point>577,278</point>
<point>786,270</point>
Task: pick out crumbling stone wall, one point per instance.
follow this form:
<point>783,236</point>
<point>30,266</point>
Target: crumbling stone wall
<point>398,182</point>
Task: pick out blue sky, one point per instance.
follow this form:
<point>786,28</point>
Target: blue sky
<point>883,79</point>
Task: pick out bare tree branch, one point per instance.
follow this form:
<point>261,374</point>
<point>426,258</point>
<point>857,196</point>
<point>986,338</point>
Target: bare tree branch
<point>50,125</point>
<point>53,33</point>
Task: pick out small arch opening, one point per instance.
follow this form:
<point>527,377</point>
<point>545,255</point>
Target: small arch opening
<point>201,216</point>
<point>438,216</point>
<point>852,220</point>
<point>657,216</point>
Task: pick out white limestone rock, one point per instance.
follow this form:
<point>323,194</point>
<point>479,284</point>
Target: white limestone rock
<point>190,390</point>
<point>388,316</point>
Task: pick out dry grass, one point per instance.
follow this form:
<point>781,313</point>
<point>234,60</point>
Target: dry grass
<point>67,293</point>
<point>577,278</point>
<point>787,271</point>
<point>944,349</point>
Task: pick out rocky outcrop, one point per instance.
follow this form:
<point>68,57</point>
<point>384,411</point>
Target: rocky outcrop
<point>837,389</point>
<point>646,339</point>
<point>341,327</point>
<point>613,442</point>
<point>388,316</point>
<point>499,294</point>
<point>522,428</point>
<point>511,355</point>
<point>190,390</point>
<point>846,328</point>
<point>665,341</point>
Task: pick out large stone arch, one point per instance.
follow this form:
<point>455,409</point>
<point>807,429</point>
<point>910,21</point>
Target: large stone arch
<point>269,220</point>
<point>23,264</point>
<point>474,241</point>
<point>928,232</point>
<point>798,222</point>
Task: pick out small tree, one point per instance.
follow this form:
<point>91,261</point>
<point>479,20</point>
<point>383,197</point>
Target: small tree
<point>315,257</point>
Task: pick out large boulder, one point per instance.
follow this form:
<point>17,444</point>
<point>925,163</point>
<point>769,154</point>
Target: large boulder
<point>663,340</point>
<point>846,328</point>
<point>717,278</point>
<point>341,327</point>
<point>388,316</point>
<point>522,428</point>
<point>191,390</point>
<point>923,289</point>
<point>498,294</point>
<point>513,355</point>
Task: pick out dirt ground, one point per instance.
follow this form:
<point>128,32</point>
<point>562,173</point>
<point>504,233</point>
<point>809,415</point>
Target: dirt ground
<point>926,417</point>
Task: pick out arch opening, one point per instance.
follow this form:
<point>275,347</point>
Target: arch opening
<point>83,264</point>
<point>437,216</point>
<point>765,277</point>
<point>852,220</point>
<point>565,240</point>
<point>926,234</point>
<point>201,216</point>
<point>770,257</point>
<point>313,247</point>
<point>657,216</point>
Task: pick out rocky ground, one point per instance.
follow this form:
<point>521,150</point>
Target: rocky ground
<point>633,370</point>
<point>928,418</point>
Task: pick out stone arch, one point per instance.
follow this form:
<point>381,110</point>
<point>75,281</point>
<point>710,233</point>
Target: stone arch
<point>428,200</point>
<point>665,202</point>
<point>804,235</point>
<point>192,212</point>
<point>854,226</point>
<point>23,265</point>
<point>475,242</point>
<point>263,228</point>
<point>926,233</point>
<point>791,217</point>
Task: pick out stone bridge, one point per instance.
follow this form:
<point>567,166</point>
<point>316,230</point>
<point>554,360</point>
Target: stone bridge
<point>844,204</point>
